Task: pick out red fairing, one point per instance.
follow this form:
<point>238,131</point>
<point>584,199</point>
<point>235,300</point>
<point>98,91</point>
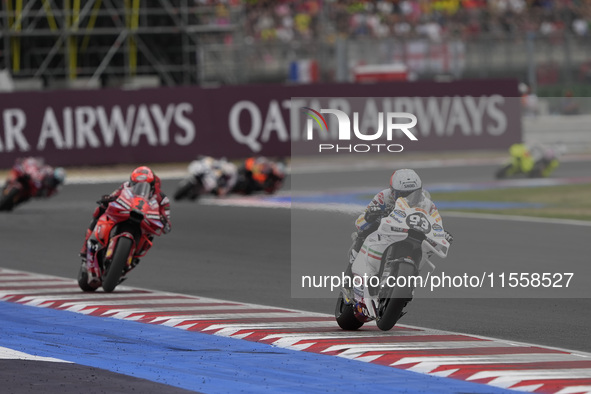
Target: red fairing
<point>120,210</point>
<point>140,215</point>
<point>161,198</point>
<point>28,174</point>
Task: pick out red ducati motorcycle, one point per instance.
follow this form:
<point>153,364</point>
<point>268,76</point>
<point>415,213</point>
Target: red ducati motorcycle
<point>123,234</point>
<point>19,188</point>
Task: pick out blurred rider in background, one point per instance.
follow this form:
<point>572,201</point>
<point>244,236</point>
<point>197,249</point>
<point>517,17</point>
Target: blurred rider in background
<point>223,173</point>
<point>37,178</point>
<point>140,174</point>
<point>532,160</point>
<point>260,174</point>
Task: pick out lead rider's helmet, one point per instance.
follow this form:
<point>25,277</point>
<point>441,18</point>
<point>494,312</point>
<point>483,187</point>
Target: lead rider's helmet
<point>142,174</point>
<point>404,182</point>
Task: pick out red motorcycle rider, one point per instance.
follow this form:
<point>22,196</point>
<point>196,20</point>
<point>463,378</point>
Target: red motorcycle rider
<point>31,177</point>
<point>140,174</point>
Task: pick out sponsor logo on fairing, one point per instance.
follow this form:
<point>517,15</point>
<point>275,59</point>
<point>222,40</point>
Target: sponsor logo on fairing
<point>124,204</point>
<point>400,213</point>
<point>395,218</point>
<point>437,227</point>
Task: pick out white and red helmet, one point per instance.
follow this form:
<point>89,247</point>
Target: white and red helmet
<point>404,182</point>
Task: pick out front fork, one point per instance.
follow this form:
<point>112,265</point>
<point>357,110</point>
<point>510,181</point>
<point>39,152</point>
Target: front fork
<point>402,254</point>
<point>93,266</point>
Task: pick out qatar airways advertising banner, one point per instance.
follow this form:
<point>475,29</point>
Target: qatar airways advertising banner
<point>176,124</point>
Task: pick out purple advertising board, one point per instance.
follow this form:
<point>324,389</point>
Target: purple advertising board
<point>111,126</point>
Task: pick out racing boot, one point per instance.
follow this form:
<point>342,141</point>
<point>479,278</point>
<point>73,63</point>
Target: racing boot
<point>356,247</point>
<point>361,312</point>
<point>95,216</point>
<point>347,285</point>
<point>94,272</point>
<point>84,249</point>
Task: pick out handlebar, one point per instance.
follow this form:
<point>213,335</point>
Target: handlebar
<point>435,250</point>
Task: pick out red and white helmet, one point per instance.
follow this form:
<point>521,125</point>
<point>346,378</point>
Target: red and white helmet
<point>404,182</point>
<point>142,174</point>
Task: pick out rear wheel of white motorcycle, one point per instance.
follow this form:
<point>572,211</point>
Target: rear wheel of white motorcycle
<point>183,190</point>
<point>197,191</point>
<point>115,269</point>
<point>391,307</point>
<point>346,316</point>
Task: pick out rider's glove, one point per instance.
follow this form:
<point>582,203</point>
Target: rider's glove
<point>167,227</point>
<point>106,199</point>
<point>372,214</point>
<point>448,237</point>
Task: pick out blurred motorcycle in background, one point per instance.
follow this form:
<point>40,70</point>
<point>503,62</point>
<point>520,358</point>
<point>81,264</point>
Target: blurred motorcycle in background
<point>207,175</point>
<point>259,174</point>
<point>220,177</point>
<point>30,177</point>
<point>535,161</point>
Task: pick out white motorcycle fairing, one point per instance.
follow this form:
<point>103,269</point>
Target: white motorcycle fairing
<point>199,168</point>
<point>393,229</point>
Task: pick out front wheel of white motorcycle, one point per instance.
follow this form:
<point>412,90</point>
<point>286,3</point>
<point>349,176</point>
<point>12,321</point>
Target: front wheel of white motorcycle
<point>183,190</point>
<point>346,316</point>
<point>391,307</point>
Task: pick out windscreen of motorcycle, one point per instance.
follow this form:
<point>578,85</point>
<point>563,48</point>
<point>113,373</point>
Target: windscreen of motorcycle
<point>415,198</point>
<point>142,189</point>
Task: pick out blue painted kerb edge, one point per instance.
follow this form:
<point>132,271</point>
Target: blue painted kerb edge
<point>202,362</point>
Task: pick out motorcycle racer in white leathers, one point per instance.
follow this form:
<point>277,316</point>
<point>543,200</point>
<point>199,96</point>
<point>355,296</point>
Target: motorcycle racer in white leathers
<point>402,183</point>
<point>218,175</point>
<point>227,175</point>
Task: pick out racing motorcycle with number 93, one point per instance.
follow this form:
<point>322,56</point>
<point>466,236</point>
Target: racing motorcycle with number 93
<point>391,259</point>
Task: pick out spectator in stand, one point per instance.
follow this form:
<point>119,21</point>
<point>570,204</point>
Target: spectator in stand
<point>529,101</point>
<point>568,104</point>
<point>435,19</point>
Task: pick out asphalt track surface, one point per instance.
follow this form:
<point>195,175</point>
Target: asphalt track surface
<point>243,254</point>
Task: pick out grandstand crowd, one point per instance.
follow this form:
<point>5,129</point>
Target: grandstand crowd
<point>285,20</point>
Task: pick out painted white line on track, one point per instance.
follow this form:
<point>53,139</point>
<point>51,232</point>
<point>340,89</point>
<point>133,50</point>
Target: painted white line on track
<point>382,165</point>
<point>325,167</point>
<point>512,218</point>
<point>354,209</point>
<point>10,354</point>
